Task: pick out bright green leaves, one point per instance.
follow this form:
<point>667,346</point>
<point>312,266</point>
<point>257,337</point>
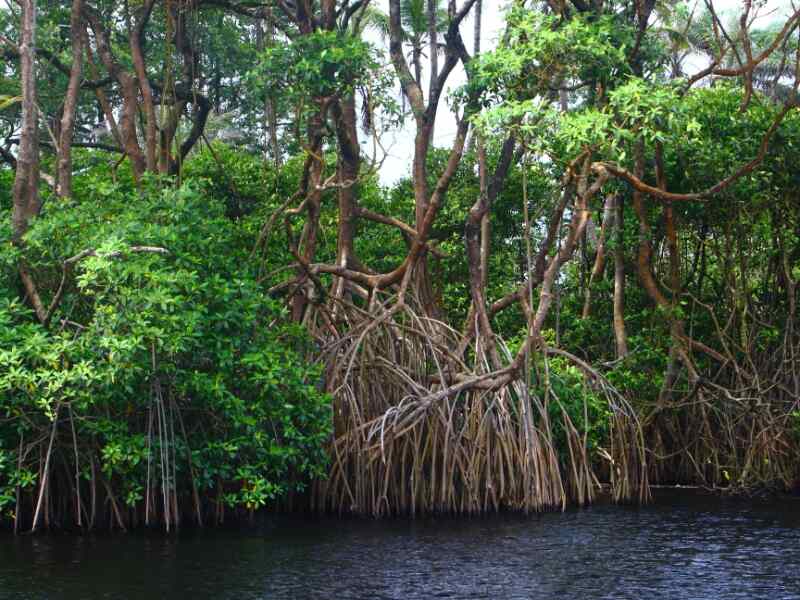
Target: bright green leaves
<point>541,53</point>
<point>546,64</point>
<point>6,185</point>
<point>582,129</point>
<point>655,112</point>
<point>327,65</point>
<point>318,65</point>
<point>6,468</point>
<point>230,374</point>
<point>255,491</point>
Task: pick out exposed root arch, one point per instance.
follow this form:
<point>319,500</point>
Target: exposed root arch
<point>406,443</point>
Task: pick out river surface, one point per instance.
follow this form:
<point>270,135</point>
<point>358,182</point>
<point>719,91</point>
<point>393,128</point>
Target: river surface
<point>684,546</point>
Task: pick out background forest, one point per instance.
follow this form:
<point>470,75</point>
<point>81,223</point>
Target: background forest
<point>212,301</point>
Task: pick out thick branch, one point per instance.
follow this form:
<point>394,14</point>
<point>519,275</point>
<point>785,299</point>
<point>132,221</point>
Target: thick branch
<point>745,169</point>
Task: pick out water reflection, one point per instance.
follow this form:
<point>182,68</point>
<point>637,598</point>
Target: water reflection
<point>683,547</point>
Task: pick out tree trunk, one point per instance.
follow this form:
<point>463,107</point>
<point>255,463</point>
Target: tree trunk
<point>64,169</point>
<point>26,181</point>
<point>433,38</point>
<point>620,335</point>
<point>105,111</point>
<point>426,205</point>
<point>188,94</point>
<point>137,55</point>
<point>680,344</point>
<point>433,41</point>
<point>422,281</point>
<point>416,58</point>
<point>307,247</point>
<point>478,27</point>
<point>476,236</point>
<point>270,108</point>
<point>600,254</point>
<point>128,90</point>
<point>346,122</point>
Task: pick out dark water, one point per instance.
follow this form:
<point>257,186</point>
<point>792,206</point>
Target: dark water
<point>684,546</point>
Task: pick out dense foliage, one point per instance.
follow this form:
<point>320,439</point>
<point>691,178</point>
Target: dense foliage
<point>214,296</point>
<point>169,366</point>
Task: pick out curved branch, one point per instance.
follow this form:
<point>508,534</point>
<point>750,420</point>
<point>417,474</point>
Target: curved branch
<point>655,192</point>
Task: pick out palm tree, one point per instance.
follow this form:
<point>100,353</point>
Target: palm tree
<point>688,33</point>
<point>685,33</point>
<point>773,75</point>
<point>422,22</point>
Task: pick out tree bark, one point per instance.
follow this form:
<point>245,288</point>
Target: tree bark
<point>600,254</point>
<point>476,236</point>
<point>312,184</point>
<point>64,168</point>
<point>346,122</point>
<point>26,182</point>
<point>136,38</point>
<point>620,335</point>
<point>185,95</point>
<point>680,344</point>
<point>105,107</point>
<point>433,39</point>
<point>267,40</point>
<point>27,203</point>
<point>433,42</point>
<point>128,90</point>
<point>425,117</point>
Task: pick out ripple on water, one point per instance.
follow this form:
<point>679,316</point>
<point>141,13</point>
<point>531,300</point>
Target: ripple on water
<point>685,546</point>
